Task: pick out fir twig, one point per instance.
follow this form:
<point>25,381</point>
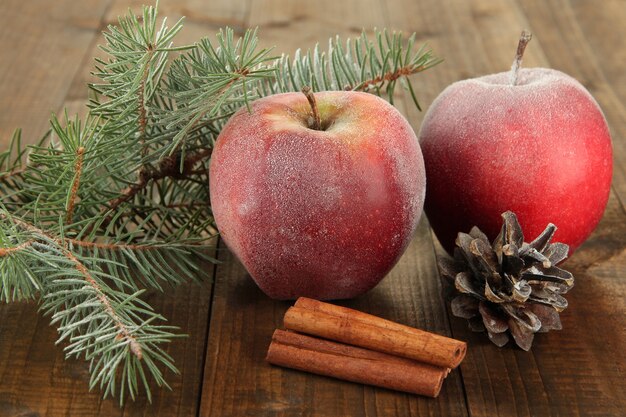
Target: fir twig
<point>124,333</point>
<point>361,64</point>
<point>78,169</point>
<point>100,323</point>
<point>9,250</point>
<point>168,167</point>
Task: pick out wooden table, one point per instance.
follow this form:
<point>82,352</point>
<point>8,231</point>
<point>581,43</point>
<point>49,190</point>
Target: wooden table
<point>45,58</point>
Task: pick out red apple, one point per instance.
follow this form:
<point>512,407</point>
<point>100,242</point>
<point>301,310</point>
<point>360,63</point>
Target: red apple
<point>532,141</point>
<point>323,213</point>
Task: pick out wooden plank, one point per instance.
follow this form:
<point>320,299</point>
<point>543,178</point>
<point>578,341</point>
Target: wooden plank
<point>35,377</point>
<point>603,31</point>
<point>42,47</point>
<point>578,371</point>
<point>28,356</point>
<point>201,19</point>
<point>36,72</point>
<point>578,53</point>
<point>237,379</point>
<point>562,374</point>
<point>589,41</point>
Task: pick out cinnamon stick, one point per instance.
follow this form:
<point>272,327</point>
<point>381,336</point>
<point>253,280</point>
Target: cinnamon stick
<point>324,357</point>
<point>360,329</point>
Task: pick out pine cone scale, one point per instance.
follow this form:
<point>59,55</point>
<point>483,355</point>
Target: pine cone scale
<point>493,321</point>
<point>523,336</point>
<point>493,297</point>
<point>542,241</point>
<point>512,264</point>
<point>548,316</point>
<point>521,291</point>
<point>524,317</point>
<point>463,282</point>
<point>464,306</point>
<point>557,252</point>
<point>511,230</point>
<point>499,339</point>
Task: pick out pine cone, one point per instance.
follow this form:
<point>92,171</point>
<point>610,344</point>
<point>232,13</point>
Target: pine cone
<point>509,286</point>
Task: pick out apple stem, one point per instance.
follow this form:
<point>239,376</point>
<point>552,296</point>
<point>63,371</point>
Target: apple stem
<point>524,38</point>
<point>314,122</point>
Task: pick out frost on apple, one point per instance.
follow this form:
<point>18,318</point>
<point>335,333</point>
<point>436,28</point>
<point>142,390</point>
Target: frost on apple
<point>540,148</point>
<point>317,213</point>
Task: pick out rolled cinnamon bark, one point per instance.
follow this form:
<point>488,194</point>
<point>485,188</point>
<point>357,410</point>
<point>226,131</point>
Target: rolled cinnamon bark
<point>324,357</point>
<point>360,329</point>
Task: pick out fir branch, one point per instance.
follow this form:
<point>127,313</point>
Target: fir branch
<point>361,64</point>
<point>69,175</point>
<point>204,80</point>
<point>138,55</point>
<point>102,324</point>
<point>123,332</point>
<point>16,280</point>
<point>106,246</point>
<point>82,269</point>
<point>5,176</point>
<point>167,168</point>
<point>78,169</point>
<point>141,99</point>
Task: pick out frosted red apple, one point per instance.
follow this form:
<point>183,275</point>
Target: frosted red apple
<point>317,213</point>
<point>540,147</point>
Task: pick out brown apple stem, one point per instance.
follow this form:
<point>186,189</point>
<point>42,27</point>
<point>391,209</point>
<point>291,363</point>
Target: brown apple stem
<point>315,122</point>
<point>525,37</point>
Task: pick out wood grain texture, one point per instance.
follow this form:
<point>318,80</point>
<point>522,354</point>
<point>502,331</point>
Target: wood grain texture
<point>586,43</point>
<point>36,76</point>
<point>504,382</point>
<point>36,380</point>
<point>45,58</point>
<point>28,355</point>
<point>228,387</point>
<point>239,382</point>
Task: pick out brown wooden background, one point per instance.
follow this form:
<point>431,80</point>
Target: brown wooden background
<point>46,50</point>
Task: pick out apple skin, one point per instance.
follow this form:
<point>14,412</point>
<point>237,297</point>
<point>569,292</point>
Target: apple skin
<point>540,148</point>
<point>317,213</point>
